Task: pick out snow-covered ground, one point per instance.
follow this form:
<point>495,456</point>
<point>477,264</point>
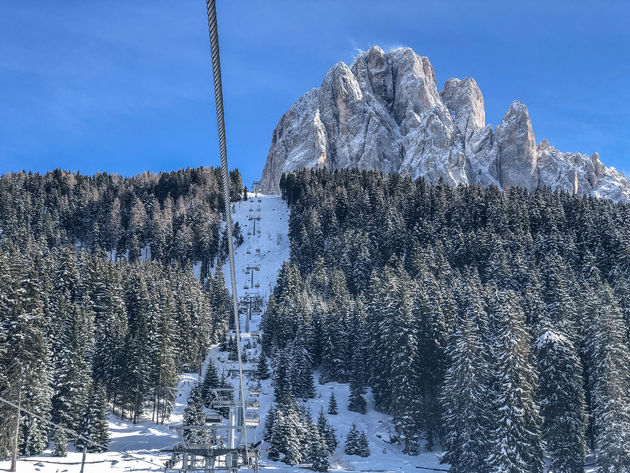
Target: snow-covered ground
<point>136,447</point>
<point>268,248</point>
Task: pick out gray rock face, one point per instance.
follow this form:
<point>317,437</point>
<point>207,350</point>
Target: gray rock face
<point>516,148</point>
<point>385,113</point>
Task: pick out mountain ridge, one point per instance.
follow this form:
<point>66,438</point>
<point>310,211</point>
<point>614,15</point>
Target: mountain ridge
<point>385,112</point>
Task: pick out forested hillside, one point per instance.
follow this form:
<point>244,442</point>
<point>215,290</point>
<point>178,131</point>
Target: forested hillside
<point>172,216</point>
<point>494,322</point>
<point>99,303</point>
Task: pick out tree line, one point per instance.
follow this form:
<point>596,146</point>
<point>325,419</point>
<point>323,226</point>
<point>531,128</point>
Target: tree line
<point>171,217</point>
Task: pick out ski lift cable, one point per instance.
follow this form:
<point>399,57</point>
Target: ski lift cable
<point>225,184</point>
<point>75,434</point>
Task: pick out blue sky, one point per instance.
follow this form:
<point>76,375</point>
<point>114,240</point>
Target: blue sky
<point>125,86</point>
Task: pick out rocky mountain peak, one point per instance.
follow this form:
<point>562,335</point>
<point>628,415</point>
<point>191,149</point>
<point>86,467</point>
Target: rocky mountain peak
<point>464,101</point>
<point>385,112</point>
<point>516,147</point>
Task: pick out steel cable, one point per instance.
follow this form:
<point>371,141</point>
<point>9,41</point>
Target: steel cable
<point>225,184</point>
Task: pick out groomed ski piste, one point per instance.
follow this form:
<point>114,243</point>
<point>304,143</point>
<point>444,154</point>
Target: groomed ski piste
<point>136,447</point>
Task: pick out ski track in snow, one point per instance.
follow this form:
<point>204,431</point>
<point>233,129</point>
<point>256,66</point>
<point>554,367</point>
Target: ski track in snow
<point>145,439</point>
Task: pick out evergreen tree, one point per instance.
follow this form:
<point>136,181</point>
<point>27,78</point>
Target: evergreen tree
<point>515,443</point>
<point>262,370</point>
<point>430,310</point>
<point>105,291</point>
<point>136,381</point>
<point>334,349</point>
<point>301,372</point>
<point>195,416</point>
<point>269,421</point>
<point>357,443</point>
<point>24,356</point>
<point>356,401</point>
<point>71,380</point>
<point>164,372</point>
<point>281,380</point>
<point>284,443</point>
<point>210,381</point>
<point>94,425</point>
<point>465,399</point>
<point>406,401</point>
<point>327,432</point>
<point>363,446</point>
<point>61,443</point>
<point>562,403</point>
<point>609,368</point>
<point>317,453</point>
<point>332,404</point>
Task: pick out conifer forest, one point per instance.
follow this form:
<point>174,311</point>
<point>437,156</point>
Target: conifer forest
<point>99,308</point>
<point>494,324</point>
<point>490,327</point>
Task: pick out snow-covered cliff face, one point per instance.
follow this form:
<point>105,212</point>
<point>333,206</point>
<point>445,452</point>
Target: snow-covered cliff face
<point>385,112</point>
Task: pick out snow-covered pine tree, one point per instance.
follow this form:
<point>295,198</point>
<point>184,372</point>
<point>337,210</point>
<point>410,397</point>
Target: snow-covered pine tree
<point>353,441</point>
<point>164,374</point>
<point>71,379</point>
<point>94,425</point>
<point>269,421</point>
<point>303,420</point>
<point>515,440</point>
<point>465,397</point>
<point>210,381</point>
<point>561,308</point>
<point>334,337</point>
<point>71,343</point>
<point>381,296</point>
<point>268,325</point>
<point>194,416</point>
<point>220,302</point>
<point>317,451</point>
<point>429,304</point>
<point>362,264</point>
<point>406,400</point>
<point>356,401</point>
<point>262,370</point>
<point>136,377</point>
<point>301,371</point>
<point>60,441</point>
<point>363,447</point>
<point>332,404</point>
<point>24,355</point>
<point>285,444</point>
<point>561,399</point>
<point>327,432</point>
<point>358,369</point>
<point>609,368</point>
<point>281,380</point>
<point>105,290</point>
